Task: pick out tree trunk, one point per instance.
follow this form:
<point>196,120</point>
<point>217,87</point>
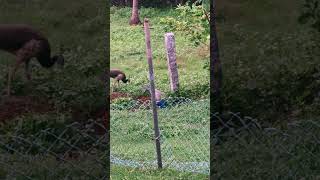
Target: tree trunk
<point>215,83</point>
<point>134,20</point>
<point>215,71</point>
<point>215,63</point>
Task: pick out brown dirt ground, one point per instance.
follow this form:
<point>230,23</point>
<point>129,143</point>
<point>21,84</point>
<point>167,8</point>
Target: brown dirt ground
<point>143,98</point>
<point>116,95</point>
<point>14,106</point>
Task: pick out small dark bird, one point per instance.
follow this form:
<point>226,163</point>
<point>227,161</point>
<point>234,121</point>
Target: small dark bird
<point>118,75</point>
<point>25,42</point>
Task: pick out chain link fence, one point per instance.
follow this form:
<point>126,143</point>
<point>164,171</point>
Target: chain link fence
<point>245,148</point>
<point>184,128</point>
<point>52,147</point>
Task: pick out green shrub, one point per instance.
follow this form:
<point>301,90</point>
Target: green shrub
<point>193,20</point>
<point>311,14</point>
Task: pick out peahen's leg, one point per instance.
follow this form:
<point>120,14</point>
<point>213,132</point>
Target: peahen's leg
<point>27,70</point>
<point>112,87</point>
<point>24,54</point>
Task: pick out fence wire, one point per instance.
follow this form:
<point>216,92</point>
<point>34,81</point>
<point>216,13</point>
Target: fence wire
<point>184,128</point>
<point>53,149</point>
<point>245,148</point>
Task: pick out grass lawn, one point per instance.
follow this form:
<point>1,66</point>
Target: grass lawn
<point>270,62</point>
<point>39,131</point>
<point>185,128</point>
<point>120,172</point>
<point>128,54</point>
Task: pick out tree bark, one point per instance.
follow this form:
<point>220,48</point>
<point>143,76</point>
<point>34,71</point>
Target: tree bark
<point>215,63</point>
<point>216,84</point>
<point>134,20</point>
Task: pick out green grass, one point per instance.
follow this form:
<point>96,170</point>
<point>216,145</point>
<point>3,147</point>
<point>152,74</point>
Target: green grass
<point>281,154</point>
<point>48,167</point>
<point>269,60</point>
<point>31,146</point>
<point>262,43</point>
<point>78,27</point>
<point>183,128</point>
<point>185,138</point>
<point>120,172</point>
<point>128,54</point>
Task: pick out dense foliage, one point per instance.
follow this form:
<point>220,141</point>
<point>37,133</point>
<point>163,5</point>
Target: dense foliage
<point>31,142</point>
<point>193,20</point>
<point>271,73</point>
<point>311,14</point>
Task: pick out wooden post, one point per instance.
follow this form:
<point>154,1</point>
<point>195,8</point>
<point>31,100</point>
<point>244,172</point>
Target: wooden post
<point>172,61</point>
<point>152,90</point>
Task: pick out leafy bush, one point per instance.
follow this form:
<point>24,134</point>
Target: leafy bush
<point>311,14</point>
<point>271,76</point>
<point>193,20</point>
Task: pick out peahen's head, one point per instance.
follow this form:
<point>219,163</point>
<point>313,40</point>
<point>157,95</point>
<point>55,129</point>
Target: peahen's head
<point>126,80</point>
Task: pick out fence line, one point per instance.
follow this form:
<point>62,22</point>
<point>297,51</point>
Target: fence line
<point>184,127</point>
<point>56,149</point>
<point>260,151</point>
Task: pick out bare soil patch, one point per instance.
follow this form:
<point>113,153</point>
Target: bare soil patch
<point>14,106</point>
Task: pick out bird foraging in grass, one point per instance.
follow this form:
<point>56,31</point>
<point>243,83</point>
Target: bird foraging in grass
<point>118,75</point>
<point>25,42</point>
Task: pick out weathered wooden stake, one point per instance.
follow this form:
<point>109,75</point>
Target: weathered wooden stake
<point>152,90</point>
<point>172,61</point>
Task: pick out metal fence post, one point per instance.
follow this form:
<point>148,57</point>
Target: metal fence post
<point>152,86</point>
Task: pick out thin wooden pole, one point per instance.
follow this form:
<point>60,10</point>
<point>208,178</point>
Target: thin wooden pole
<point>152,90</point>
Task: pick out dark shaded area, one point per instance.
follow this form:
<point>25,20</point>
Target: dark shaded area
<point>20,105</point>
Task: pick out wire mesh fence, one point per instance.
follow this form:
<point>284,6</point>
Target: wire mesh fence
<point>53,148</point>
<point>245,148</point>
<point>184,127</point>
